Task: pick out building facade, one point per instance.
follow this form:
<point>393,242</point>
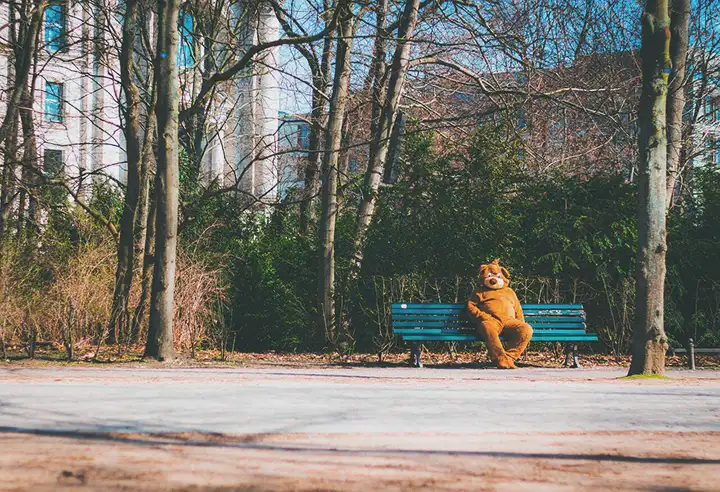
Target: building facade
<point>77,98</point>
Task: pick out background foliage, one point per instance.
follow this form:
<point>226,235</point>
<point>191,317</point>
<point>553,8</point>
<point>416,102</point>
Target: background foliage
<point>247,279</point>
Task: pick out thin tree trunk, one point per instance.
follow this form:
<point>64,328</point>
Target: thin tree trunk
<point>30,164</point>
<point>147,270</point>
<point>320,78</point>
<point>679,17</point>
<point>381,138</point>
<point>649,339</point>
<point>160,345</point>
<point>119,314</point>
<point>7,187</point>
<point>377,72</point>
<point>147,163</point>
<point>333,140</point>
<point>320,83</point>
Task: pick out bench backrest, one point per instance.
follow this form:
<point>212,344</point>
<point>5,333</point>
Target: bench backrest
<point>562,317</point>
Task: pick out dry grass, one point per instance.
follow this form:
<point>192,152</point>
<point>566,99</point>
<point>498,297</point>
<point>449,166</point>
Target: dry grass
<point>68,306</point>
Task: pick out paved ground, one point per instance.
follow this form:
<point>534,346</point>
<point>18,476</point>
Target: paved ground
<point>323,429</point>
<point>354,400</point>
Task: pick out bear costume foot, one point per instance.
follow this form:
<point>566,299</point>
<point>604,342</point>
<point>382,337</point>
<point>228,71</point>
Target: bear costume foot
<point>506,362</point>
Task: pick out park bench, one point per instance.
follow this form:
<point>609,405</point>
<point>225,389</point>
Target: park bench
<point>415,323</point>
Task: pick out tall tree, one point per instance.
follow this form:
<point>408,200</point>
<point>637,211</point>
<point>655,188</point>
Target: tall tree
<point>329,181</point>
<point>679,20</point>
<point>649,339</point>
<point>119,314</point>
<point>160,332</point>
<point>383,120</point>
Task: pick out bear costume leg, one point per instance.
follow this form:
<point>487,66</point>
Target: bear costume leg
<point>517,336</point>
<point>489,331</point>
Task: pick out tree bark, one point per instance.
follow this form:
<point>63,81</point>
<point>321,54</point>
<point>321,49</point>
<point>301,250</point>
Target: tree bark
<point>649,339</point>
<point>30,167</point>
<point>333,139</point>
<point>160,345</point>
<point>147,270</point>
<point>7,187</point>
<point>381,138</point>
<point>119,314</point>
<point>679,18</point>
<point>147,171</point>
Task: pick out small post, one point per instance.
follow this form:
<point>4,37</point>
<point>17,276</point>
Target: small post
<point>691,354</point>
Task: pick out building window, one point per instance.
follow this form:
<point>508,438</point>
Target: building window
<point>53,162</point>
<point>185,56</point>
<point>56,26</point>
<point>54,102</point>
<point>304,136</point>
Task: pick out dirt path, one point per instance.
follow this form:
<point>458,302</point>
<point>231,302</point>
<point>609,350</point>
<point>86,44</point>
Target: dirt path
<point>528,461</point>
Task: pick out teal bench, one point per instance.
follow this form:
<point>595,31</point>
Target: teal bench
<point>415,323</point>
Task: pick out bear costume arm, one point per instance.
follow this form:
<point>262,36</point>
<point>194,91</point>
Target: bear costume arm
<point>472,306</point>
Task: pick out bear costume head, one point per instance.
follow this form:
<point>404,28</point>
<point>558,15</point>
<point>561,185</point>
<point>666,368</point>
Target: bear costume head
<point>494,276</point>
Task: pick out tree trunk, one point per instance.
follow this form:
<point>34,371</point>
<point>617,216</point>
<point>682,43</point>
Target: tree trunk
<point>147,171</point>
<point>30,167</point>
<point>680,14</point>
<point>160,345</point>
<point>381,138</point>
<point>23,36</point>
<point>7,187</point>
<point>119,314</point>
<point>649,339</point>
<point>147,270</point>
<point>333,138</point>
<point>321,77</point>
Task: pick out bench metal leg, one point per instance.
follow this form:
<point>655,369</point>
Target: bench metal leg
<point>571,348</point>
<point>415,355</point>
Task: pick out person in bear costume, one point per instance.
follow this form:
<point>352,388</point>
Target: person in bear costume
<point>496,309</point>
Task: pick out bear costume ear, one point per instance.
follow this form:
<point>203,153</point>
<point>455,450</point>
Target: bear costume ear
<point>482,271</point>
<point>505,272</point>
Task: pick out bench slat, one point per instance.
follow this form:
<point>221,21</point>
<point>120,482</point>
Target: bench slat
<point>554,319</point>
<point>456,305</point>
<point>426,305</point>
<point>553,306</point>
<point>428,317</point>
<point>458,318</point>
<point>461,310</point>
<point>473,338</point>
<point>588,337</point>
<point>456,311</point>
<point>441,338</point>
<point>450,331</point>
<point>440,324</point>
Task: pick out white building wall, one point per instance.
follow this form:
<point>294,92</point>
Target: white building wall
<point>89,135</point>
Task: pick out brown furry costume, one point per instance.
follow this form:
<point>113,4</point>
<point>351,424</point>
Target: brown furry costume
<point>498,312</point>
